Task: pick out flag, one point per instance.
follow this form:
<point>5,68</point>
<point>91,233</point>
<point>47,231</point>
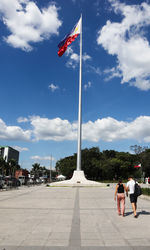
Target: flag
<point>69,38</point>
<point>137,166</point>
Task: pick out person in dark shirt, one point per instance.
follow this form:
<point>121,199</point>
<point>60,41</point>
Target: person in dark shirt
<point>120,193</point>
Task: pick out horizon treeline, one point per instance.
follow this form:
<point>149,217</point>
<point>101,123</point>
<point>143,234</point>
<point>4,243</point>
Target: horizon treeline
<point>108,164</point>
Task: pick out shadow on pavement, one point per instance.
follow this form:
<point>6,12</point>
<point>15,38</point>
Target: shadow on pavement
<point>128,213</point>
<point>143,212</point>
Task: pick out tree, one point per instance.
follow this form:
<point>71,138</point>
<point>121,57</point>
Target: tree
<point>2,166</point>
<point>108,154</point>
<point>146,162</point>
<point>105,165</point>
<point>8,168</point>
<point>91,163</point>
<point>116,167</point>
<point>35,170</point>
<point>107,171</point>
<point>12,166</point>
<point>137,149</point>
<point>66,166</point>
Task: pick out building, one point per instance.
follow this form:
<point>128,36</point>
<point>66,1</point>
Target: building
<point>8,153</point>
<point>21,172</point>
<point>22,175</point>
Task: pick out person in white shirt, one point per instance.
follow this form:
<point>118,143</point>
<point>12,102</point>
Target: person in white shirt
<point>133,198</point>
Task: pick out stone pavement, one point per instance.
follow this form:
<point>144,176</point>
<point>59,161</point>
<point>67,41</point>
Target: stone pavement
<point>54,218</point>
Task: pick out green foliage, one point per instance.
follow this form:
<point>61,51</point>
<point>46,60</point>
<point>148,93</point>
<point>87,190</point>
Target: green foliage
<point>8,168</point>
<point>66,166</point>
<point>108,164</point>
<point>39,171</point>
<point>138,149</point>
<point>146,191</point>
<point>146,161</point>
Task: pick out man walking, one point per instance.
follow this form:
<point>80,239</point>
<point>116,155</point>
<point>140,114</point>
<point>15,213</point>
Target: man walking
<point>133,197</point>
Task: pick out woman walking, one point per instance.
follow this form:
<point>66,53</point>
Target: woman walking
<point>120,193</point>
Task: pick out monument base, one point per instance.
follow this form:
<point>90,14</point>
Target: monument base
<point>78,180</point>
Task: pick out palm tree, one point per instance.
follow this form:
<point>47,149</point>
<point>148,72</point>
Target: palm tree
<point>2,166</point>
<point>35,170</point>
<point>13,166</point>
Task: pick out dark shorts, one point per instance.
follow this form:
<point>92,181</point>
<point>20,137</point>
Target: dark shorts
<point>133,198</point>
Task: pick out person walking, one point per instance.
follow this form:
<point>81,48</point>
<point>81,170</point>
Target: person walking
<point>120,193</point>
<point>133,197</point>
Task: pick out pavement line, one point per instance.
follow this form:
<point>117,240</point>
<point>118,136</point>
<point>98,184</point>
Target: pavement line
<point>75,236</point>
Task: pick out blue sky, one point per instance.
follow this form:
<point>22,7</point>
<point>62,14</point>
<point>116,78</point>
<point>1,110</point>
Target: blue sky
<point>39,90</point>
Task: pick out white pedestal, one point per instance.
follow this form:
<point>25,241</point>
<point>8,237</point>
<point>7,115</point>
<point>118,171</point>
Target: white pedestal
<point>78,180</point>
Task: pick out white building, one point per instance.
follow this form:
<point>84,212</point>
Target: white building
<point>8,153</point>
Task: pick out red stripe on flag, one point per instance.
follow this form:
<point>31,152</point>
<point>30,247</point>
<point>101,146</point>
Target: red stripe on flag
<point>68,41</point>
<point>138,166</point>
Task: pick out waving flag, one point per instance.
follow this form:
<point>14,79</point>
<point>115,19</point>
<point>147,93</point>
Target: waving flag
<point>69,38</point>
<point>137,166</point>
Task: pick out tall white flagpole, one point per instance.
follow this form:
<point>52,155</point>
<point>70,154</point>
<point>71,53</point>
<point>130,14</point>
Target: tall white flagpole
<point>80,106</point>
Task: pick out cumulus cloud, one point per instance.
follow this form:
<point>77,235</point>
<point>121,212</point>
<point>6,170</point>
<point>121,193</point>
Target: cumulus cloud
<point>74,58</point>
<point>110,129</point>
<point>53,129</point>
<point>20,149</point>
<point>127,40</point>
<point>27,23</point>
<point>53,87</point>
<point>105,129</point>
<point>13,132</point>
<point>42,158</point>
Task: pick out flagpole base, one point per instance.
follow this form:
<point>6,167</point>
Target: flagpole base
<point>78,180</point>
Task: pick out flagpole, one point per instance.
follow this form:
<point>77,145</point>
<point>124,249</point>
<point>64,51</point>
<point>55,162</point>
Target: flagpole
<point>80,106</point>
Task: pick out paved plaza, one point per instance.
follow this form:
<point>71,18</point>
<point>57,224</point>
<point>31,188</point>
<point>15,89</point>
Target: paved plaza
<point>70,218</point>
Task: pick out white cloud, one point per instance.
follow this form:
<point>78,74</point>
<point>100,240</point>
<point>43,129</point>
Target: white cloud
<point>86,57</point>
<point>27,23</point>
<point>22,119</point>
<point>54,129</point>
<point>95,70</point>
<point>73,61</point>
<point>106,129</point>
<point>20,149</point>
<point>87,86</point>
<point>13,132</point>
<point>53,87</point>
<point>111,73</point>
<point>127,40</point>
<point>42,158</point>
<point>69,51</point>
<point>110,129</point>
<point>74,58</point>
<point>97,7</point>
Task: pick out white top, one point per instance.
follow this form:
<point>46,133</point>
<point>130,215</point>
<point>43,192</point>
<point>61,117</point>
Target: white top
<point>130,185</point>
